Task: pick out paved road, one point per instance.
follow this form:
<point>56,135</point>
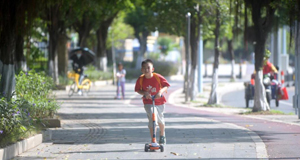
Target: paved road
<point>236,98</point>
<point>99,127</point>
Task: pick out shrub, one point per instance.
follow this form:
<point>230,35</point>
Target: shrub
<point>132,74</point>
<point>36,88</point>
<point>64,80</point>
<point>154,56</point>
<point>14,117</point>
<point>164,68</point>
<point>33,100</point>
<point>94,75</point>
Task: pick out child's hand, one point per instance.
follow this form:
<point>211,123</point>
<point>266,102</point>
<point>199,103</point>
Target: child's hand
<point>147,95</point>
<point>158,95</point>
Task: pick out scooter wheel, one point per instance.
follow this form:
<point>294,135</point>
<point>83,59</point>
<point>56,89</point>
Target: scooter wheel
<point>162,148</point>
<point>146,147</point>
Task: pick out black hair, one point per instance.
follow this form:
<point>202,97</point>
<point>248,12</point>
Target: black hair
<point>147,61</point>
<point>120,64</point>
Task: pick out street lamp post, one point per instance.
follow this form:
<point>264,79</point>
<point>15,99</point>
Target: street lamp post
<point>200,62</point>
<point>187,82</point>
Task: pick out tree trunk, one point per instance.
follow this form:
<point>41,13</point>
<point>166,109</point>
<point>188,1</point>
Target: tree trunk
<point>101,60</point>
<point>52,57</point>
<point>83,28</point>
<point>262,27</point>
<point>143,48</point>
<point>62,55</point>
<point>20,58</point>
<point>213,99</point>
<point>260,99</point>
<point>8,48</point>
<point>82,39</point>
<point>194,39</point>
<point>231,54</point>
<point>245,30</point>
<point>53,29</point>
<point>102,31</point>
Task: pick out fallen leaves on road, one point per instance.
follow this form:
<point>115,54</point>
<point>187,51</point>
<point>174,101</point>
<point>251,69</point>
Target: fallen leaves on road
<point>176,154</point>
<point>248,125</point>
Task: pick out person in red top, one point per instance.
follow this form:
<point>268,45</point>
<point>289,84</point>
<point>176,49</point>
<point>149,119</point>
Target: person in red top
<point>268,66</point>
<point>153,85</point>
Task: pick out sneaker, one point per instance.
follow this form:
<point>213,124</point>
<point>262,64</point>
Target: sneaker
<point>80,92</point>
<point>162,140</point>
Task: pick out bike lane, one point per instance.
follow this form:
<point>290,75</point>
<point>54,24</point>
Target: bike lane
<point>281,139</point>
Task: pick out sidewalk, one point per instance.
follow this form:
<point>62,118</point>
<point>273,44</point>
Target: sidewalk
<point>99,127</point>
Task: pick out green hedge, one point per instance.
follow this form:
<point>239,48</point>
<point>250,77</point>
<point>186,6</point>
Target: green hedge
<point>32,101</point>
<point>36,88</point>
<point>94,75</point>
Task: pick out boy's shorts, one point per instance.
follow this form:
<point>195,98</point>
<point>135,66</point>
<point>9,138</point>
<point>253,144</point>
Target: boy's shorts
<point>159,114</point>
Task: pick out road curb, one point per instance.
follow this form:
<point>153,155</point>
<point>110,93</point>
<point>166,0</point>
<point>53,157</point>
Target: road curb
<point>20,147</point>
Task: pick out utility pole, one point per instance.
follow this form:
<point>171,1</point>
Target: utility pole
<point>187,55</point>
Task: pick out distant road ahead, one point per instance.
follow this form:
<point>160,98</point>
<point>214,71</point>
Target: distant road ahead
<point>237,99</point>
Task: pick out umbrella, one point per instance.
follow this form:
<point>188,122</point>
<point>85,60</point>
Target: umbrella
<point>88,55</point>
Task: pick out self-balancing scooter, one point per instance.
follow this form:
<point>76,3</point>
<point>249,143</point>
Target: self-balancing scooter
<point>154,145</point>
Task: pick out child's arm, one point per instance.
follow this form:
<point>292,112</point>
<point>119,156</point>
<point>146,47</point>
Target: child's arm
<point>145,94</point>
<point>161,91</point>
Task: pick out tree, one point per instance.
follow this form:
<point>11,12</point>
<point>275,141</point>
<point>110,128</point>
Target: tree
<point>56,15</point>
<point>164,45</point>
<point>177,26</point>
<point>140,20</point>
<point>15,20</point>
<point>108,11</point>
<point>262,17</point>
<point>84,19</point>
<point>118,32</point>
<point>232,33</point>
<point>213,94</point>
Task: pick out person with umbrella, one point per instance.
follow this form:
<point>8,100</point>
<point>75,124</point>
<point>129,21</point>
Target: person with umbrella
<point>77,65</point>
<point>81,57</point>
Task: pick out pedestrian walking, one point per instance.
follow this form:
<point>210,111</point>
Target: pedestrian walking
<point>153,84</point>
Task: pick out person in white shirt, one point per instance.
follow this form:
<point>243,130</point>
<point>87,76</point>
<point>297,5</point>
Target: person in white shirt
<point>121,73</point>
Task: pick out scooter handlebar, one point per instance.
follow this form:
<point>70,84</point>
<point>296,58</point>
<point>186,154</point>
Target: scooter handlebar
<point>152,97</point>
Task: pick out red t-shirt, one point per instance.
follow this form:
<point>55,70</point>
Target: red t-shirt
<point>152,85</point>
<point>267,68</point>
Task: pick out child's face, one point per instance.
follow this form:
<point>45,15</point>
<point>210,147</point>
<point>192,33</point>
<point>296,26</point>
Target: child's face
<point>147,68</point>
<point>120,67</point>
